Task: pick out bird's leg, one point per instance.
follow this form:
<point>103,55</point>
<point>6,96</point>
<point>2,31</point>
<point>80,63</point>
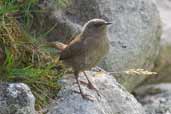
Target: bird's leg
<point>84,96</point>
<point>90,85</point>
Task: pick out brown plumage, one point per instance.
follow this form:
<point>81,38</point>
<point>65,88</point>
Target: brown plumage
<point>87,49</point>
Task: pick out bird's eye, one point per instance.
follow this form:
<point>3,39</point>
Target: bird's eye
<point>98,24</point>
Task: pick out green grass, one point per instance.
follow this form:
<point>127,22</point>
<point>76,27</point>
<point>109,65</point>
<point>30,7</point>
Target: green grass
<point>62,3</point>
<point>26,9</point>
<point>27,60</point>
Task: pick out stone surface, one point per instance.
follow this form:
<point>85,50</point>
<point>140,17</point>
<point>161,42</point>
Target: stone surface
<point>52,24</point>
<point>163,64</point>
<point>114,98</point>
<point>156,99</point>
<point>134,35</point>
<point>16,98</point>
<point>164,8</point>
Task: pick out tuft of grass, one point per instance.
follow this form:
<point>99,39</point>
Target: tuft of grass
<point>21,9</point>
<point>62,3</point>
<point>27,60</point>
<point>24,10</point>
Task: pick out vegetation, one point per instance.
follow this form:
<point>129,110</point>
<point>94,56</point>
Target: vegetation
<point>27,60</point>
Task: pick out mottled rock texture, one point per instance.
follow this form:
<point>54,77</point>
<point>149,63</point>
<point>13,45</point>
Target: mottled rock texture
<point>156,98</point>
<point>114,98</point>
<point>16,98</point>
<point>163,63</point>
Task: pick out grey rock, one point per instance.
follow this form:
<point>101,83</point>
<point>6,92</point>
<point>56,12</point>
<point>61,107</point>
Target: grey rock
<point>52,24</point>
<point>163,64</point>
<point>134,35</point>
<point>155,98</point>
<point>114,98</point>
<point>16,98</point>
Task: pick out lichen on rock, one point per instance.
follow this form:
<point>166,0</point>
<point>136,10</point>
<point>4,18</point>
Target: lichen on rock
<point>16,98</point>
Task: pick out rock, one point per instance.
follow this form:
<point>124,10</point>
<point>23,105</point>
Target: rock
<point>114,98</point>
<point>16,98</point>
<point>52,24</point>
<point>134,35</point>
<point>163,64</point>
<point>155,98</point>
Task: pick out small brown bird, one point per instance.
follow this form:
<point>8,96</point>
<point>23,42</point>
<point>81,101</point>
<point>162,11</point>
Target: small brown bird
<point>86,50</point>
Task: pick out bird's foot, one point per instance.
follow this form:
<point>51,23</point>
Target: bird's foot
<point>84,96</point>
<point>91,86</point>
<point>87,97</point>
<point>82,82</point>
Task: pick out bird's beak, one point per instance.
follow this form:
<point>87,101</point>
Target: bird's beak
<point>108,23</point>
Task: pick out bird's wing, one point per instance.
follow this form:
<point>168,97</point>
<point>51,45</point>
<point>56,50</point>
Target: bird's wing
<point>75,48</point>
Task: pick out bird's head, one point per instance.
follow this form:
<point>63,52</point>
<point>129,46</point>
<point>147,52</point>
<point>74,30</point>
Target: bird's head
<point>96,25</point>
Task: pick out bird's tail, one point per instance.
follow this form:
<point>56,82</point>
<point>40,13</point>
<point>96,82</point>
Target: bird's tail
<point>58,45</point>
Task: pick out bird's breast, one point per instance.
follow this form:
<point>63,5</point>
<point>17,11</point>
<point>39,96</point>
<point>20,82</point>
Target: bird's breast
<point>94,48</point>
